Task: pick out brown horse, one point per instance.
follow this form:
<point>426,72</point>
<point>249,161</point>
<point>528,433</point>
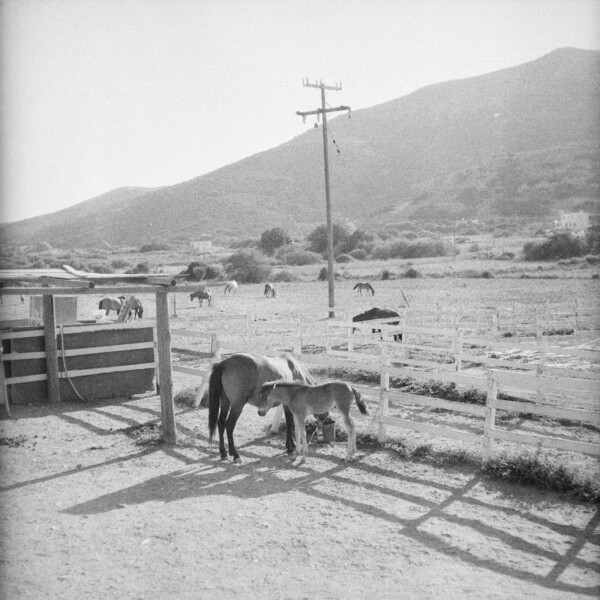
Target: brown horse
<point>108,304</point>
<point>203,294</point>
<point>236,381</point>
<point>361,285</point>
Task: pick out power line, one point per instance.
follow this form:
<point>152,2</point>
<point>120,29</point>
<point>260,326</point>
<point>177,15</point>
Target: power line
<point>323,112</point>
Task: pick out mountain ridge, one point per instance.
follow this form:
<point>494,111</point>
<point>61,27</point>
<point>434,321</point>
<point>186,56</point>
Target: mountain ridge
<point>522,140</point>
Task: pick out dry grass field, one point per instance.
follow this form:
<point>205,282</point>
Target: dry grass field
<point>94,506</point>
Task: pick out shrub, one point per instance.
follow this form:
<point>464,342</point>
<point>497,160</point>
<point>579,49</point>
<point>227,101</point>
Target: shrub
<point>323,274</point>
<point>402,249</point>
<point>506,256</point>
<point>386,274</point>
<point>248,266</point>
<point>343,258</point>
<point>285,276</point>
<point>559,246</point>
<point>142,267</point>
<point>592,259</point>
<point>214,271</point>
<point>298,256</point>
<point>154,247</point>
<point>119,264</point>
<point>411,273</point>
<point>474,247</point>
<point>358,254</point>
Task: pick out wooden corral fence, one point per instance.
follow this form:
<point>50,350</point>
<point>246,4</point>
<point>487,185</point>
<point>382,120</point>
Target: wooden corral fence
<point>52,352</point>
<point>534,375</point>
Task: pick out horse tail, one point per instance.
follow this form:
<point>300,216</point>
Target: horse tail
<point>359,401</point>
<point>215,389</point>
<point>100,304</point>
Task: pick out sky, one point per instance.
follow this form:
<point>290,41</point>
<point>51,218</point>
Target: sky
<point>101,94</point>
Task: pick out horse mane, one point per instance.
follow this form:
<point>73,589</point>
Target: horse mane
<point>283,383</point>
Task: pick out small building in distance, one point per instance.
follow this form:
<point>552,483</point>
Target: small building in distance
<point>205,247</point>
<point>576,222</point>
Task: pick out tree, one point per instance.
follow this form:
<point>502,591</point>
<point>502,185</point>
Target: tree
<point>248,266</point>
<point>317,238</point>
<point>272,239</point>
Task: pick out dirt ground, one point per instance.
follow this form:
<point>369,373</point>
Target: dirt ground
<point>90,508</point>
<point>91,511</point>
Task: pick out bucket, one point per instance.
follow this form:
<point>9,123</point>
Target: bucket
<point>98,315</point>
<point>329,433</point>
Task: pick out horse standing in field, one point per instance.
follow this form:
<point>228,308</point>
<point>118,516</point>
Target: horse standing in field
<point>108,304</point>
<point>361,285</point>
<point>304,400</point>
<point>237,381</point>
<point>270,290</point>
<point>231,287</point>
<point>136,310</point>
<point>202,294</point>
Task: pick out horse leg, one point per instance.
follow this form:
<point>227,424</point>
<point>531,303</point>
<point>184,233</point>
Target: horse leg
<point>234,415</point>
<point>351,435</point>
<point>289,428</point>
<point>221,423</point>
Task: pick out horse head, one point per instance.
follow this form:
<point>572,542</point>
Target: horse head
<point>267,397</point>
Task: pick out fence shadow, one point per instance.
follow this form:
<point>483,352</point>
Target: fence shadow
<point>436,517</point>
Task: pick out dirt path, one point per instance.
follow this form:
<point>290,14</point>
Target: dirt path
<point>90,512</point>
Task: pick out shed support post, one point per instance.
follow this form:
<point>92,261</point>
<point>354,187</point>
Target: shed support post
<point>163,334</point>
<point>52,381</point>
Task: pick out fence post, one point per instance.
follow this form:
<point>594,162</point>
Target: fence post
<point>215,350</point>
<point>163,334</point>
<point>349,337</point>
<point>383,396</point>
<point>495,329</point>
<point>490,420</point>
<point>298,339</point>
<point>174,305</point>
<point>577,312</point>
<point>542,343</point>
<point>514,319</point>
<point>328,338</point>
<point>249,325</point>
<point>51,348</point>
<point>458,341</point>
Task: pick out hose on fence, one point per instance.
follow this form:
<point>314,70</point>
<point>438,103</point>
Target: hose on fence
<point>66,371</point>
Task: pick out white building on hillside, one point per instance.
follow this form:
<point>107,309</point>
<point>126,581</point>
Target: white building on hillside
<point>578,221</point>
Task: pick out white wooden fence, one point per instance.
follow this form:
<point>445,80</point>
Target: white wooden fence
<point>442,354</point>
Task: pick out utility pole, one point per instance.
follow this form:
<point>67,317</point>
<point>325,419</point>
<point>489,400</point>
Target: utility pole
<point>323,111</point>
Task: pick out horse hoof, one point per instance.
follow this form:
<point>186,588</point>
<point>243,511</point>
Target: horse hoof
<point>224,458</point>
<point>238,461</point>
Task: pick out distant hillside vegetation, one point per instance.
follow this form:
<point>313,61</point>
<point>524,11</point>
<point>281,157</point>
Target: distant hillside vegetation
<point>521,142</point>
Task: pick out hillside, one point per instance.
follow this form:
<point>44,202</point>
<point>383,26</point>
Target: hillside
<point>521,142</point>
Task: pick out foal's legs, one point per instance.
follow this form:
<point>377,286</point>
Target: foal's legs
<point>351,435</point>
<point>289,428</point>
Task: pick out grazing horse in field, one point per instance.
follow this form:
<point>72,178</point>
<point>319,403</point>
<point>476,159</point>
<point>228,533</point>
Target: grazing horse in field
<point>136,310</point>
<point>203,294</point>
<point>304,400</point>
<point>270,290</point>
<point>231,287</point>
<point>108,304</point>
<point>236,381</point>
<point>360,286</point>
<point>379,313</point>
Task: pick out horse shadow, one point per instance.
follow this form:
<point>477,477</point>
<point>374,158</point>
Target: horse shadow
<point>269,471</point>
